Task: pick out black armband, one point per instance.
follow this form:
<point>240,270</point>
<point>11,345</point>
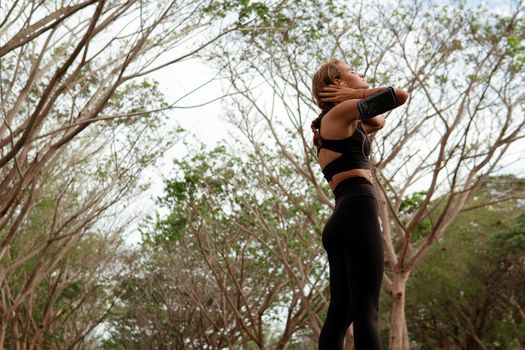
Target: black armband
<point>377,103</point>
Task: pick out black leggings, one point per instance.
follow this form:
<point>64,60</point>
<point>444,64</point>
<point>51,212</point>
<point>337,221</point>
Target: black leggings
<point>353,241</point>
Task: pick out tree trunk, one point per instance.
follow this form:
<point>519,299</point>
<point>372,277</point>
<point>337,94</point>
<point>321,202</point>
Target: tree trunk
<point>398,336</point>
<point>3,327</point>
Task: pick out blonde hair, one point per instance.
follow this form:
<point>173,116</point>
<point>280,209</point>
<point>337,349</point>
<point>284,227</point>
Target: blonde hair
<point>325,75</point>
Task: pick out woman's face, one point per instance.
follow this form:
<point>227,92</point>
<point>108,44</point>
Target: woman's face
<point>351,78</point>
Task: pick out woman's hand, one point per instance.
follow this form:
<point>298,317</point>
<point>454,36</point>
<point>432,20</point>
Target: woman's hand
<point>337,93</point>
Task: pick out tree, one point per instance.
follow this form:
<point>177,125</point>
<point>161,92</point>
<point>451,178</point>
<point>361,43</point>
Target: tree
<point>228,262</point>
<point>80,123</point>
<point>458,296</point>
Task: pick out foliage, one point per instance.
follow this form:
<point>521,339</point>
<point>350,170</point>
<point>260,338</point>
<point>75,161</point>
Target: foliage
<point>222,211</point>
<point>459,291</point>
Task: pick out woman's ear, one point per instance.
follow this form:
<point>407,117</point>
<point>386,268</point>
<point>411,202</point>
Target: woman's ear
<point>340,82</point>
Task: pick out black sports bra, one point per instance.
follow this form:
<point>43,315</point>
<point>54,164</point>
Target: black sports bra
<point>355,151</point>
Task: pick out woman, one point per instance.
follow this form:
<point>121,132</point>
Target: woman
<point>352,236</point>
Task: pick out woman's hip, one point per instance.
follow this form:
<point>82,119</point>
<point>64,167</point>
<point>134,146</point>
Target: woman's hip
<point>353,188</point>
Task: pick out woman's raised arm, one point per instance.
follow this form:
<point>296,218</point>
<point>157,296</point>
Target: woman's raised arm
<point>337,93</point>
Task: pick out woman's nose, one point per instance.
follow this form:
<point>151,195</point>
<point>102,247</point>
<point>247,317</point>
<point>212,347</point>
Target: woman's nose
<point>361,75</point>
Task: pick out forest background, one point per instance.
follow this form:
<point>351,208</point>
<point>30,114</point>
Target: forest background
<point>145,205</point>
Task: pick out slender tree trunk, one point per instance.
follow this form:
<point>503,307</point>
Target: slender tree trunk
<point>3,327</point>
<point>398,336</point>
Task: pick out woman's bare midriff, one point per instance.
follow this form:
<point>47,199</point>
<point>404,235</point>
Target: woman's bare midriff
<point>339,177</point>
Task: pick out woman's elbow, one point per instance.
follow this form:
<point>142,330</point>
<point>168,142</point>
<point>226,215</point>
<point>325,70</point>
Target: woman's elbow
<point>380,122</point>
<point>377,122</point>
<point>401,96</point>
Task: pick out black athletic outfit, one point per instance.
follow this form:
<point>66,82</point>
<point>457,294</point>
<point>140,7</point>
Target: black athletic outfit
<point>353,241</point>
